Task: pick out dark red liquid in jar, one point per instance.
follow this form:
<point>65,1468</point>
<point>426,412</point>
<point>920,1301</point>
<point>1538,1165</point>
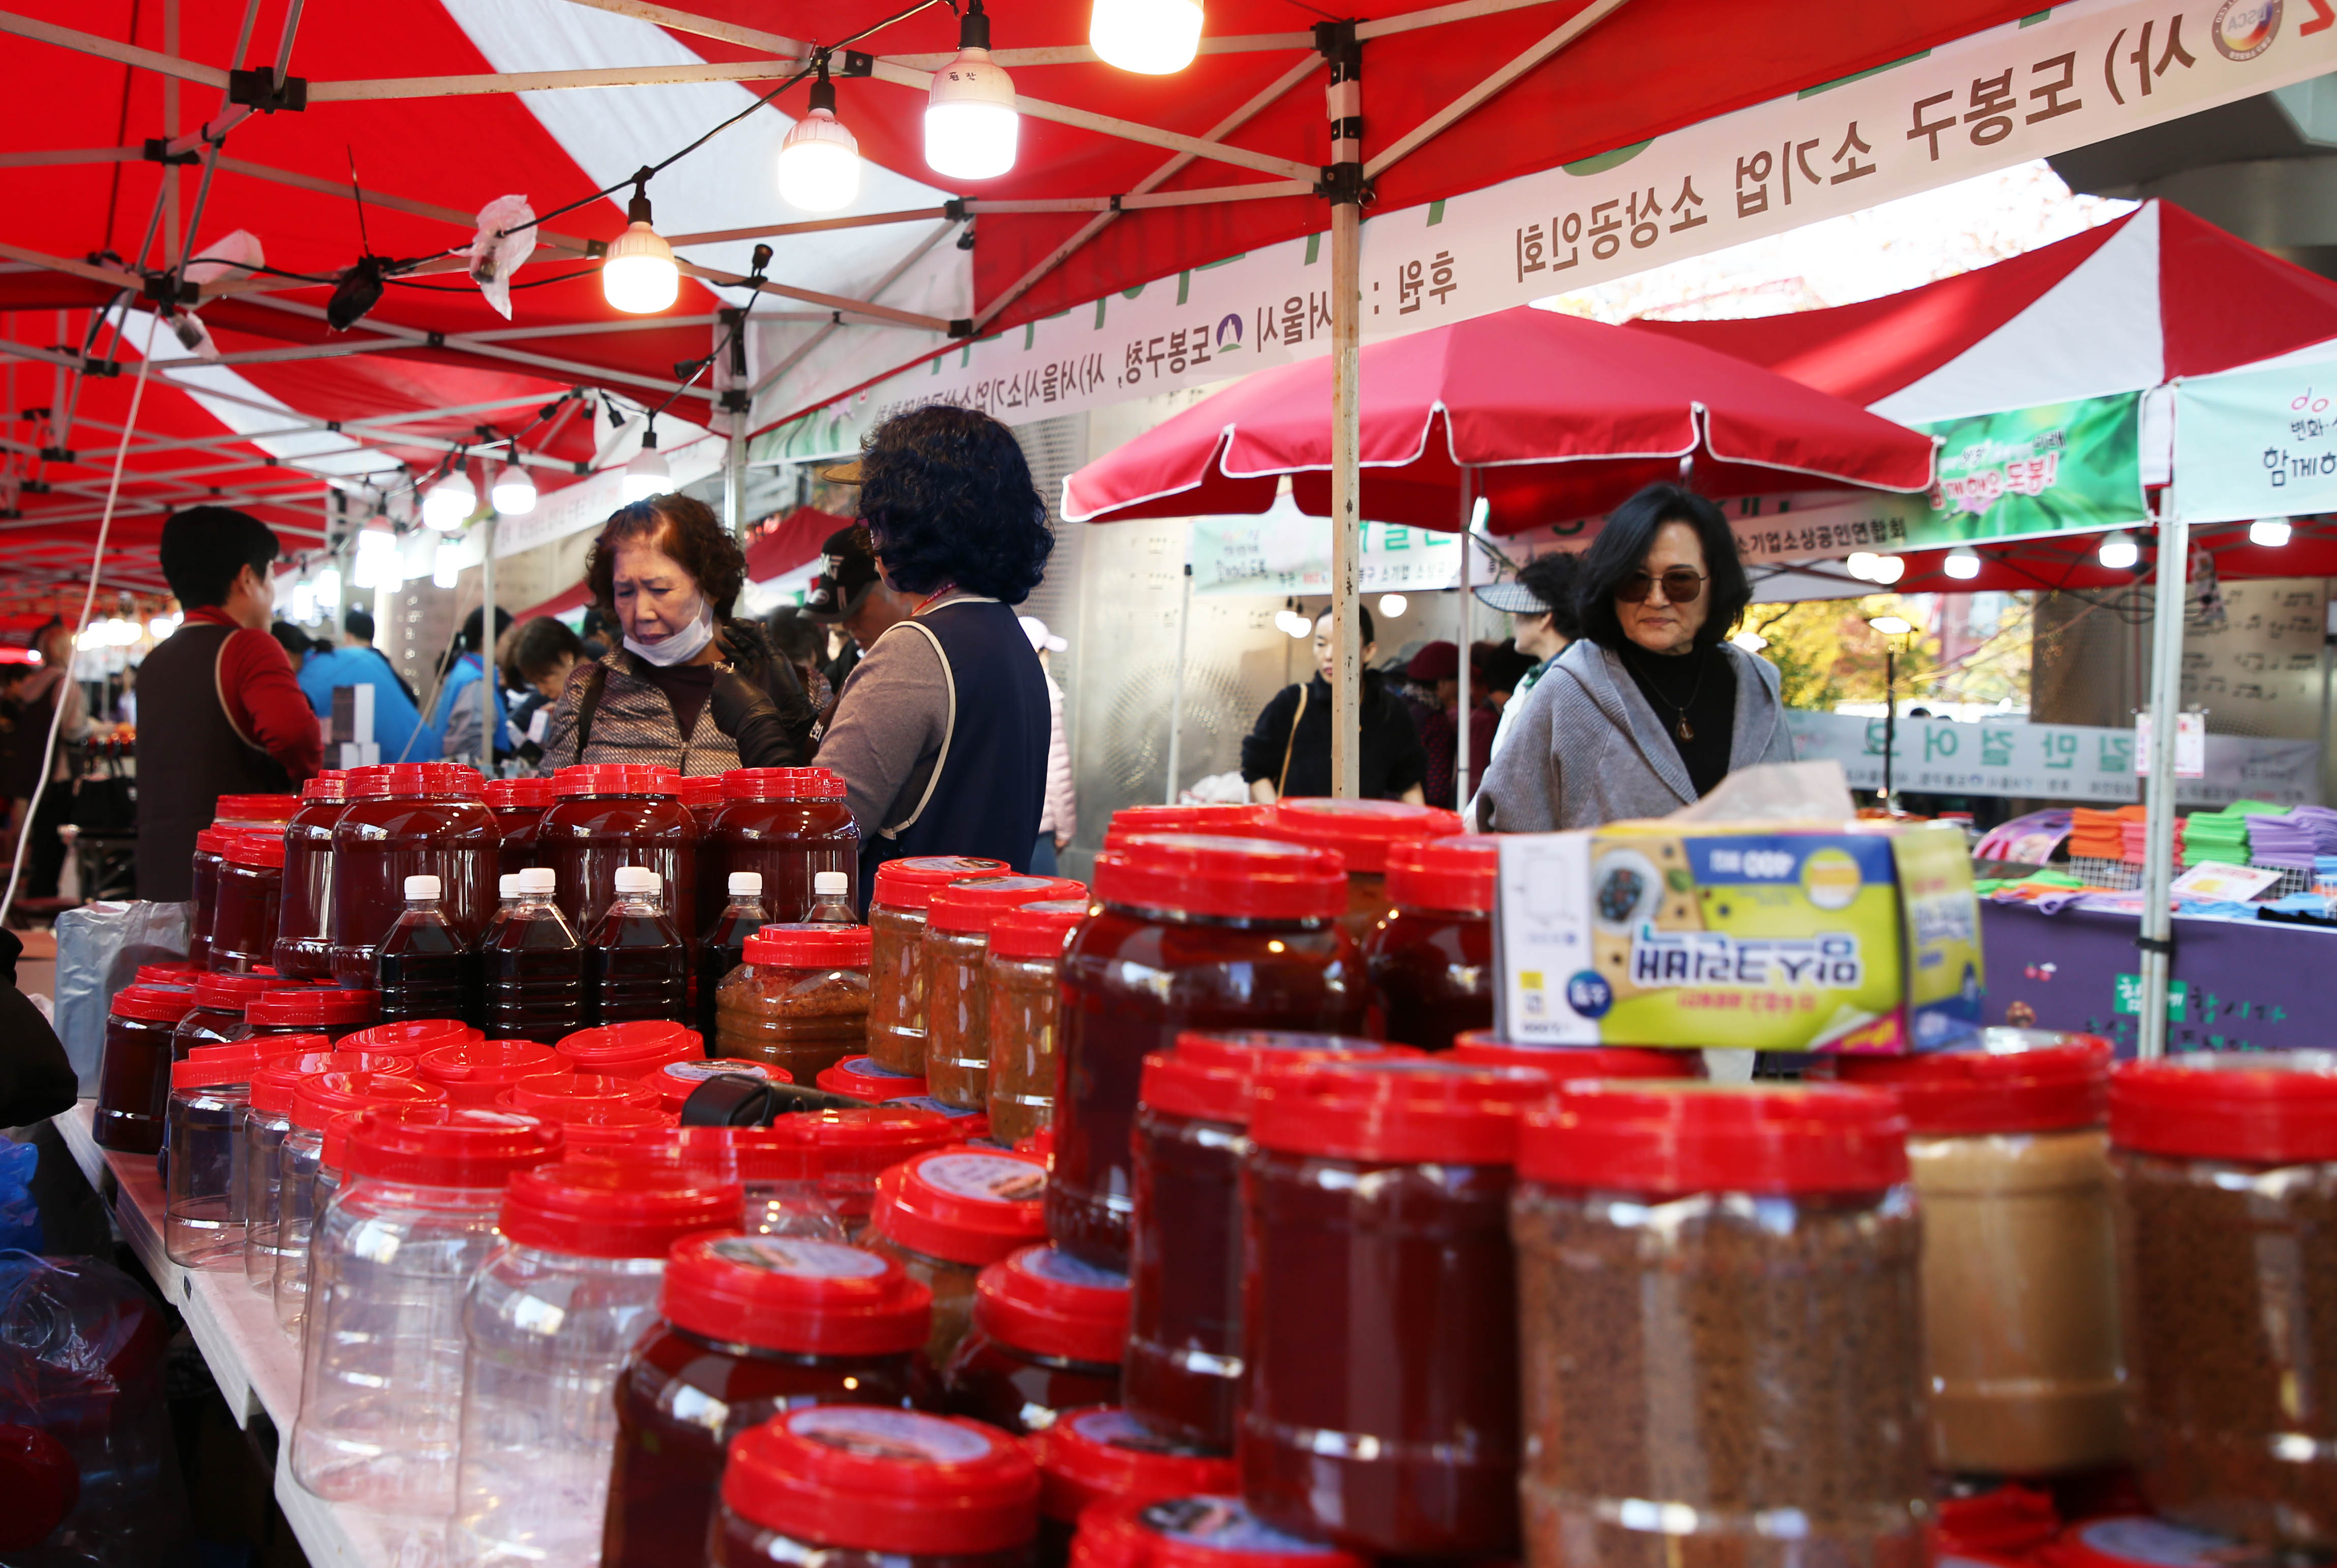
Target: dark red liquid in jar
<point>427,971</point>
<point>789,842</point>
<point>704,800</point>
<point>1431,976</point>
<point>723,950</point>
<point>243,929</point>
<point>587,839</point>
<point>379,841</point>
<point>534,980</point>
<point>517,824</point>
<point>1181,1376</point>
<point>740,1544</point>
<point>1132,980</point>
<point>133,1072</point>
<point>1425,1299</point>
<point>639,966</point>
<point>304,923</point>
<point>204,896</point>
<point>1020,1392</point>
<point>663,1490</point>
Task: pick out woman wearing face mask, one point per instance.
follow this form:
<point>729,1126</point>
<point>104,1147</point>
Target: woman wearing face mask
<point>689,687</point>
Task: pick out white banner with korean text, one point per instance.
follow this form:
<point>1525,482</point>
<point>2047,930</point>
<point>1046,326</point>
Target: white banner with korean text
<point>2059,79</point>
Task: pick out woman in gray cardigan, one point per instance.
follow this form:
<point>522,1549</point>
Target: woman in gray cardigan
<point>1654,707</point>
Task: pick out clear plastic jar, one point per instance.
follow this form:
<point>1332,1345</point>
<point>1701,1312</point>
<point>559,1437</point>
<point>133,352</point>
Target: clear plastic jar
<point>853,1487</point>
<point>2226,1177</point>
<point>604,817</point>
<point>1102,1454</point>
<point>409,819</point>
<point>317,1099</point>
<point>381,1373</point>
<point>844,1152</point>
<point>549,1317</point>
<point>1195,1531</point>
<point>754,1326</point>
<point>473,1073</point>
<point>1431,959</point>
<point>1381,1411</point>
<point>134,1068</point>
<point>1751,1251</point>
<point>1048,1330</point>
<point>1183,1371</point>
<point>896,921</point>
<point>633,1050</point>
<point>783,1196</point>
<point>1362,831</point>
<point>303,950</point>
<point>957,983</point>
<point>267,1119</point>
<point>309,1010</point>
<point>1193,933</point>
<point>1026,989</point>
<point>800,1001</point>
<point>863,1079</point>
<point>2010,1163</point>
<point>946,1216</point>
<point>1228,821</point>
<point>217,1015</point>
<point>787,824</point>
<point>203,1210</point>
<point>519,804</point>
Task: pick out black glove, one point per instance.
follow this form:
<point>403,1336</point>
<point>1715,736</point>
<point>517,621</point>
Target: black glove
<point>745,713</point>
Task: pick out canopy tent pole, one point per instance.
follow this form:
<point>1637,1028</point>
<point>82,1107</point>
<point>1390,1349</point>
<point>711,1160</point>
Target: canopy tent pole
<point>1177,685</point>
<point>734,479</point>
<point>1345,190</point>
<point>487,645</point>
<point>1464,730</point>
<point>2159,828</point>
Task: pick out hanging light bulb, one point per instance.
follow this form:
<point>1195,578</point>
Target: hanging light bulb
<point>1149,38</point>
<point>328,590</point>
<point>819,163</point>
<point>304,601</point>
<point>2118,553</point>
<point>969,120</point>
<point>1860,564</point>
<point>1751,641</point>
<point>514,491</point>
<point>640,277</point>
<point>161,627</point>
<point>448,504</point>
<point>646,474</point>
<point>1891,625</point>
<point>1393,605</point>
<point>445,565</point>
<point>1888,569</point>
<point>2271,532</point>
<point>1961,564</point>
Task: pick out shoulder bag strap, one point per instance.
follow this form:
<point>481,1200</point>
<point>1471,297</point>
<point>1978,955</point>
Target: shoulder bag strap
<point>1292,744</point>
<point>596,681</point>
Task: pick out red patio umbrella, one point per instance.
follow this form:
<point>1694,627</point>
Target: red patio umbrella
<point>1553,416</point>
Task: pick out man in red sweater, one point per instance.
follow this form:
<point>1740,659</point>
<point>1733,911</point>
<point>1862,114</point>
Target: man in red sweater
<point>219,709</point>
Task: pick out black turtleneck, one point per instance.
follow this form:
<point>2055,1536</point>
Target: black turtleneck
<point>1702,683</point>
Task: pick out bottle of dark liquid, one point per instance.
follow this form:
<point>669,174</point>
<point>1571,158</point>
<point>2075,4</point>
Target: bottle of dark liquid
<point>425,969</point>
<point>639,964</point>
<point>535,972</point>
<point>724,948</point>
<point>831,900</point>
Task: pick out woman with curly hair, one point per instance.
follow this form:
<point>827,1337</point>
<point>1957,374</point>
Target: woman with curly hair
<point>689,688</point>
<point>941,732</point>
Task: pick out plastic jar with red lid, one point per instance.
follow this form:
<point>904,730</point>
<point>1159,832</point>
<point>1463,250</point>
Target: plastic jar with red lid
<point>134,1066</point>
<point>1362,831</point>
<point>946,1216</point>
<point>1103,1455</point>
<point>787,824</point>
<point>1182,1375</point>
<point>519,804</point>
<point>2226,1178</point>
<point>410,1037</point>
<point>203,892</point>
<point>475,1073</point>
<point>2008,1152</point>
<point>1193,934</point>
<point>1752,1249</point>
<point>846,1150</point>
<point>605,816</point>
<point>1195,1531</point>
<point>304,929</point>
<point>677,1081</point>
<point>1391,1176</point>
<point>328,1010</point>
<point>898,906</point>
<point>251,893</point>
<point>409,819</point>
<point>317,1099</point>
<point>702,795</point>
<point>633,1050</point>
<point>1431,959</point>
<point>558,1092</point>
<point>958,920</point>
<point>381,1375</point>
<point>1224,820</point>
<point>845,1484</point>
<point>539,1387</point>
<point>202,1207</point>
<point>217,1015</point>
<point>1025,978</point>
<point>799,1001</point>
<point>1996,1526</point>
<point>1048,1330</point>
<point>863,1079</point>
<point>1479,1047</point>
<point>754,1326</point>
<point>183,976</point>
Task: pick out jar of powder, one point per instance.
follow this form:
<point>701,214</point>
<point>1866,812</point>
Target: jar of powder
<point>2226,1182</point>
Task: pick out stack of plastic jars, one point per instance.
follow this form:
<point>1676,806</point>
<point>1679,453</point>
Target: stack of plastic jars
<point>409,819</point>
<point>551,1316</point>
<point>1025,977</point>
<point>519,804</point>
<point>317,1099</point>
<point>203,1215</point>
<point>753,1325</point>
<point>133,1070</point>
<point>607,816</point>
<point>787,824</point>
<point>381,1375</point>
<point>945,1217</point>
<point>1431,961</point>
<point>267,1122</point>
<point>957,983</point>
<point>250,893</point>
<point>1362,831</point>
<point>1047,1332</point>
<point>800,1001</point>
<point>234,815</point>
<point>897,909</point>
<point>304,930</point>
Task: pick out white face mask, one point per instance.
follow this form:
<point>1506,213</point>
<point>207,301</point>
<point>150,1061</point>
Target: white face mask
<point>682,645</point>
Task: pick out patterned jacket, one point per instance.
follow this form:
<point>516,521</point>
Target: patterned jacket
<point>631,721</point>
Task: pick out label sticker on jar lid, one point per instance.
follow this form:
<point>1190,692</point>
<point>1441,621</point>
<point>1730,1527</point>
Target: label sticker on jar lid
<point>879,1433</point>
<point>799,1256</point>
<point>870,1067</point>
<point>927,1103</point>
<point>1053,1264</point>
<point>990,1178</point>
<point>698,1072</point>
<point>1114,1428</point>
<point>2138,1538</point>
<point>1223,1524</point>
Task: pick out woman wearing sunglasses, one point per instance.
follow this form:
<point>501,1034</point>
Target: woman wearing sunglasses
<point>1654,707</point>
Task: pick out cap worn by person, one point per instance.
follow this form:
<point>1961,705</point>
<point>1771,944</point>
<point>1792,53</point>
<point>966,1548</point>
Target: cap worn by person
<point>851,574</point>
<point>1513,598</point>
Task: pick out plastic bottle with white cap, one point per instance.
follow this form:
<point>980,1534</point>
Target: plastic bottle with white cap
<point>424,966</point>
<point>831,900</point>
<point>724,942</point>
<point>635,957</point>
<point>536,985</point>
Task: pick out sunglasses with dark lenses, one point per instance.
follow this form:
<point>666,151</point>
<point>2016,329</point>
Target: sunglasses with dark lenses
<point>1682,585</point>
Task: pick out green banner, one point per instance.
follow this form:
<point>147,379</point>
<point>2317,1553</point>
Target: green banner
<point>2056,468</point>
<point>1283,551</point>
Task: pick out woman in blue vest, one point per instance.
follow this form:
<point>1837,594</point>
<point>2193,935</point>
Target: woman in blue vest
<point>941,732</point>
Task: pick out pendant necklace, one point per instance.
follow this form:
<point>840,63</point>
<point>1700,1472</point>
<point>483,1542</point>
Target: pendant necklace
<point>1681,727</point>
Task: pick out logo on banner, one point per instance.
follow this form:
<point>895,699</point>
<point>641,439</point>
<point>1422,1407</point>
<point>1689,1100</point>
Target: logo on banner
<point>2245,28</point>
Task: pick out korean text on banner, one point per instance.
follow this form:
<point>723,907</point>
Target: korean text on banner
<point>2256,443</point>
<point>2058,468</point>
<point>1284,552</point>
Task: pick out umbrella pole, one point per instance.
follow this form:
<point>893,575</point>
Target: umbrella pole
<point>1465,730</point>
<point>2159,828</point>
<point>1177,688</point>
<point>1345,190</point>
